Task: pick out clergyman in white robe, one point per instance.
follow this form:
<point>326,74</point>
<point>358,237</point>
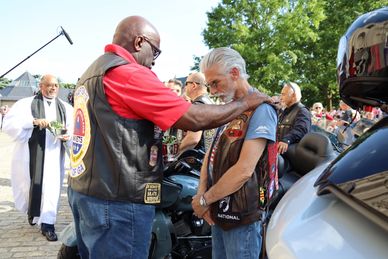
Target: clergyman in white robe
<point>18,124</point>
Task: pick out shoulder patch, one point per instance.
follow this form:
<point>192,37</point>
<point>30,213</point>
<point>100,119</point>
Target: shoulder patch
<point>81,135</point>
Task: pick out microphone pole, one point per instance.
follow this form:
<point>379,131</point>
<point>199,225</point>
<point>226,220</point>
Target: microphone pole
<point>60,34</point>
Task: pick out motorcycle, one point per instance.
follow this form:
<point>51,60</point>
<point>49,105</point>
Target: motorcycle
<point>339,206</point>
<point>176,231</point>
<point>340,209</point>
<point>343,136</point>
<point>313,150</point>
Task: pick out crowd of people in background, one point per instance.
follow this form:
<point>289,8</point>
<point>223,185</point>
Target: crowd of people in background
<point>343,115</point>
<point>318,116</point>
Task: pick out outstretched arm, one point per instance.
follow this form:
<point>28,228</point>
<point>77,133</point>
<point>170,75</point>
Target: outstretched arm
<point>209,116</point>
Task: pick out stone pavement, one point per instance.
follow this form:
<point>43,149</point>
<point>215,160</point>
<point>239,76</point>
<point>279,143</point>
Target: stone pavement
<point>17,238</point>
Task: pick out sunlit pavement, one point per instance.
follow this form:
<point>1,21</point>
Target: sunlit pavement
<point>17,238</point>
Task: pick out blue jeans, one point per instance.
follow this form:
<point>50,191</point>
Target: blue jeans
<point>111,229</point>
<point>241,242</point>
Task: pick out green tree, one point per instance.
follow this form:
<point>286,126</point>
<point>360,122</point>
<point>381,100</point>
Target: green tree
<point>197,60</point>
<point>266,34</point>
<point>318,68</point>
<point>67,85</point>
<point>294,40</point>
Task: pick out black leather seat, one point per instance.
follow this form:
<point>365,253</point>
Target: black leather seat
<point>313,149</point>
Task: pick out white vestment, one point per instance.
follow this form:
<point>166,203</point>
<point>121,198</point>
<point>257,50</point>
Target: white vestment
<point>18,125</point>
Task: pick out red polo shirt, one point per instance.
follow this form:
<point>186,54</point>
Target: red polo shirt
<point>135,92</point>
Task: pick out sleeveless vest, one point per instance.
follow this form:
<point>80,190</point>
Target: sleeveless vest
<point>112,158</point>
<point>245,205</point>
<point>286,121</point>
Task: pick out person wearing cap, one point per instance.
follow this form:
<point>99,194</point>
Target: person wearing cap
<point>294,120</point>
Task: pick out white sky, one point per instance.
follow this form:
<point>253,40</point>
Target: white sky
<point>26,25</point>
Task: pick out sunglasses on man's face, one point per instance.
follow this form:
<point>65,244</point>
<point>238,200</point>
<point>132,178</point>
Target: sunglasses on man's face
<point>191,82</point>
<point>155,50</point>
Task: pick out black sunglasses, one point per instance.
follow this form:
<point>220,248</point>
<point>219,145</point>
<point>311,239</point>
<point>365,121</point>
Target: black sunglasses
<point>155,50</point>
<point>191,82</point>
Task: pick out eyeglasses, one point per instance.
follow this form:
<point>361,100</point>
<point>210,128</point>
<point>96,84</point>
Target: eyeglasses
<point>213,84</point>
<point>155,50</point>
<point>191,82</point>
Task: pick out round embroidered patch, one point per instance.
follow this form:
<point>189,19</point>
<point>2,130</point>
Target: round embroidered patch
<point>81,135</point>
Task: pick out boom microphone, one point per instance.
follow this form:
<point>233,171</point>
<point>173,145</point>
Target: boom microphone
<point>66,35</point>
<point>63,32</point>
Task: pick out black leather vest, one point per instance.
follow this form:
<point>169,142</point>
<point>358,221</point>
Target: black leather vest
<point>112,158</point>
<point>245,205</point>
<point>286,121</point>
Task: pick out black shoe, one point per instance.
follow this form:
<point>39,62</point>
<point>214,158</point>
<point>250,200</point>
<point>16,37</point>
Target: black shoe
<point>68,252</point>
<point>50,235</point>
<point>30,219</point>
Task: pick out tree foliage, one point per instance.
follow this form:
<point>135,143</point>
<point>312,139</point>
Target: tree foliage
<point>67,85</point>
<point>280,40</point>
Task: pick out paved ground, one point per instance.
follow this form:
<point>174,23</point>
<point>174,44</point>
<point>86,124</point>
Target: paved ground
<point>17,238</point>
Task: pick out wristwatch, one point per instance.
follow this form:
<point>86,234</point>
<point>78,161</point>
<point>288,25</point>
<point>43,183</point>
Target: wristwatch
<point>202,201</point>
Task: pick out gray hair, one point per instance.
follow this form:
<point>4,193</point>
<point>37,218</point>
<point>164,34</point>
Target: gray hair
<point>296,89</point>
<point>225,57</point>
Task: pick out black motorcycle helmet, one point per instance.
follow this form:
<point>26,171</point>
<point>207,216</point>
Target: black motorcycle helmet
<point>362,61</point>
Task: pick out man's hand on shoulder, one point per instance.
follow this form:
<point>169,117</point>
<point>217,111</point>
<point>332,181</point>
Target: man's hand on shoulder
<point>255,99</point>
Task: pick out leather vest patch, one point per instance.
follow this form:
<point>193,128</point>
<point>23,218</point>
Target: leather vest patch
<point>81,136</point>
